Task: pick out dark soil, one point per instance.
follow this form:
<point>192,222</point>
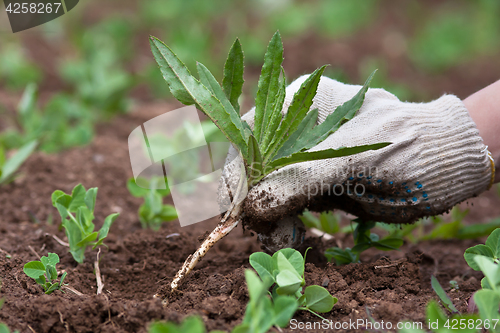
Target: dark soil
<point>138,262</point>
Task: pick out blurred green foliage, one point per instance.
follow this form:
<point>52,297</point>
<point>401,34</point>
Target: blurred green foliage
<point>16,71</point>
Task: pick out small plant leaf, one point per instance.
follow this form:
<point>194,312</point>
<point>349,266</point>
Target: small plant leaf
<point>188,90</point>
<point>342,257</point>
<point>209,81</point>
<point>487,303</point>
<point>320,155</point>
<point>475,251</point>
<point>13,163</point>
<point>87,240</point>
<point>90,199</point>
<point>284,308</point>
<point>34,269</point>
<point>288,281</point>
<point>264,265</point>
<point>269,86</point>
<point>103,232</point>
<point>276,116</point>
<point>255,167</point>
<point>232,82</point>
<point>52,259</point>
<point>53,287</point>
<point>51,272</point>
<point>388,244</point>
<point>289,259</point>
<point>136,190</point>
<point>62,278</point>
<point>318,299</point>
<point>490,270</point>
<point>493,242</point>
<point>442,295</point>
<point>301,102</point>
<point>340,116</point>
<point>294,144</point>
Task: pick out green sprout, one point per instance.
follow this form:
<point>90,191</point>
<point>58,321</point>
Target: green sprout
<point>44,273</point>
<point>152,213</point>
<point>77,213</point>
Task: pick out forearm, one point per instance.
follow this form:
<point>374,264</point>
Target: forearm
<point>484,108</point>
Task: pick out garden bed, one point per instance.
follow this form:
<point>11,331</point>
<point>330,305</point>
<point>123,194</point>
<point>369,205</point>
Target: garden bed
<point>391,286</point>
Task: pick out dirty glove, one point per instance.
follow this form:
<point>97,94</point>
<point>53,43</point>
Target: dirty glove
<point>436,160</point>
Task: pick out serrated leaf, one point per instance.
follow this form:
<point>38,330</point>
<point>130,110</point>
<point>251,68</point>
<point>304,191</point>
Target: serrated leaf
<point>294,142</point>
<point>232,82</point>
<point>318,299</point>
<point>276,116</point>
<point>300,105</point>
<point>34,269</point>
<point>188,90</point>
<point>209,81</point>
<point>13,163</point>
<point>269,86</point>
<point>321,155</point>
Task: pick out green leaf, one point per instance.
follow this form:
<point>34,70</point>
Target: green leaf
<point>4,328</point>
<point>473,252</point>
<point>388,244</point>
<point>51,272</point>
<point>284,309</point>
<point>135,190</point>
<point>332,122</point>
<point>103,233</point>
<point>301,102</point>
<point>478,230</point>
<point>295,143</point>
<point>288,281</point>
<point>256,288</point>
<point>232,82</point>
<point>320,155</point>
<point>269,86</point>
<point>290,259</point>
<point>487,303</point>
<point>62,278</point>
<point>329,222</point>
<point>442,295</point>
<point>87,240</point>
<point>168,213</point>
<point>13,163</point>
<point>209,81</point>
<point>493,242</point>
<point>90,198</point>
<point>435,314</point>
<point>53,287</point>
<point>188,90</point>
<point>51,260</point>
<point>264,265</point>
<point>490,270</point>
<point>318,299</point>
<point>255,167</point>
<point>34,269</point>
<point>342,257</point>
<point>276,115</point>
<point>192,324</point>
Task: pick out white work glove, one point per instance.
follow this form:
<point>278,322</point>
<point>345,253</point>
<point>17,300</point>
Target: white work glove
<point>436,160</point>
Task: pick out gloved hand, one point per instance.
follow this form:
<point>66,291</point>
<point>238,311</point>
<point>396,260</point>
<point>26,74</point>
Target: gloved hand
<point>436,160</point>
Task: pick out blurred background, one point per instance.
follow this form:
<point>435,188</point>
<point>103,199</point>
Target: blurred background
<point>94,62</point>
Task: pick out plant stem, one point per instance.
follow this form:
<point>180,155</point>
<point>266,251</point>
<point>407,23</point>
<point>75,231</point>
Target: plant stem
<point>314,313</point>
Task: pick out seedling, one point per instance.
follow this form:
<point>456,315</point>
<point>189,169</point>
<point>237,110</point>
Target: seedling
<point>445,299</point>
<point>275,140</point>
<point>363,240</point>
<point>8,167</point>
<point>77,213</point>
<point>326,222</point>
<point>44,273</point>
<point>284,271</point>
<point>152,213</point>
